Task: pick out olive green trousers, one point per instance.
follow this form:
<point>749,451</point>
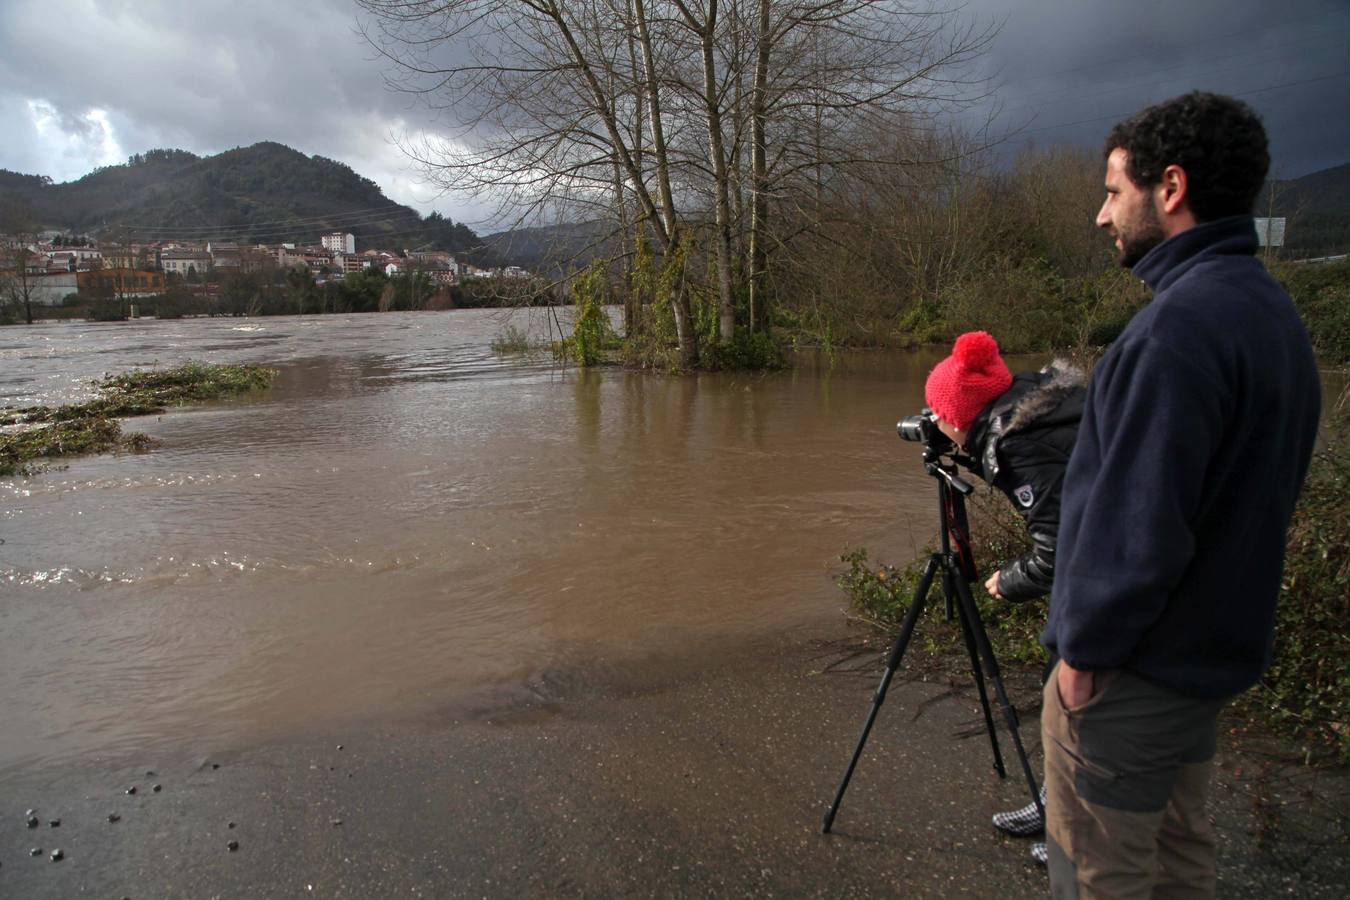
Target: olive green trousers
<point>1127,775</point>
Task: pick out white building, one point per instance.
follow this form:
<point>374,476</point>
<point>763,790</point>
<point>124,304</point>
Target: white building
<point>179,261</point>
<point>85,257</point>
<point>338,242</point>
<point>50,290</point>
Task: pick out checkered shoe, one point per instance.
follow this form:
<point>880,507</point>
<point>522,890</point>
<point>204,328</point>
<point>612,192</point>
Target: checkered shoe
<point>1023,822</point>
<point>1039,853</point>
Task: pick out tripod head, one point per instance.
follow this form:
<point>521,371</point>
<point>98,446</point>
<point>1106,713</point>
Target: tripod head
<point>924,429</point>
<point>943,462</point>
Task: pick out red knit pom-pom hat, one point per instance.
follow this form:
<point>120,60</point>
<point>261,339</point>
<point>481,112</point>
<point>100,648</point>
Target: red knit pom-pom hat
<point>964,383</point>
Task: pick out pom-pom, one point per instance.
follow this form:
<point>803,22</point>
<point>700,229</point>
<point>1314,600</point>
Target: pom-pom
<point>976,351</point>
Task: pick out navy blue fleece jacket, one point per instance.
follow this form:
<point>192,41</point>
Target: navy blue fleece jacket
<point>1197,432</point>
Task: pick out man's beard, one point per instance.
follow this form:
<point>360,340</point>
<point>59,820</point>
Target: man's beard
<point>1149,234</point>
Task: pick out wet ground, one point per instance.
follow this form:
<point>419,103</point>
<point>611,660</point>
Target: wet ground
<point>425,620</point>
<point>665,782</point>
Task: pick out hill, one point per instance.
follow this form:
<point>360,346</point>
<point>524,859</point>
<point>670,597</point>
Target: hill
<point>263,193</point>
<point>1317,207</point>
<point>555,250</point>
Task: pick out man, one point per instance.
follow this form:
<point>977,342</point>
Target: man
<point>1196,435</point>
<point>1019,433</point>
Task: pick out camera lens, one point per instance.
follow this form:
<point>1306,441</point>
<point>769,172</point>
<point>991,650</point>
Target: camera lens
<point>914,428</point>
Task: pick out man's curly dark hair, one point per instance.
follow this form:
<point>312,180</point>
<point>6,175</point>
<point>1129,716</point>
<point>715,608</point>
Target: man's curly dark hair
<point>1217,140</point>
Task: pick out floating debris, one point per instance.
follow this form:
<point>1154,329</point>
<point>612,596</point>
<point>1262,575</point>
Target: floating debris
<point>92,427</point>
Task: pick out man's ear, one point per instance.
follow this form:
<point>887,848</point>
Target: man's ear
<point>1172,189</point>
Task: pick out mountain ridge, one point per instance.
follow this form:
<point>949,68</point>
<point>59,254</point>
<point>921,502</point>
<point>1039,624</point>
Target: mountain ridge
<point>269,192</point>
<point>265,192</point>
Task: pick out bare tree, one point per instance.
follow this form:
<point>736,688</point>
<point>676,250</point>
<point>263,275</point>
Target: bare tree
<point>18,229</point>
<point>595,108</point>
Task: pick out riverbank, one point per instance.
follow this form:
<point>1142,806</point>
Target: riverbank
<point>659,780</point>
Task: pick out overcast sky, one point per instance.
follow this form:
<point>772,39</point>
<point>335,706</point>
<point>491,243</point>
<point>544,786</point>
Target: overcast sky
<point>85,83</point>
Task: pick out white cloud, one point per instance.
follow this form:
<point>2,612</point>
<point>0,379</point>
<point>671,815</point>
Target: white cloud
<point>89,82</point>
<point>73,142</point>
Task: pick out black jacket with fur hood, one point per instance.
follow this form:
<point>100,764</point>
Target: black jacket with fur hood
<point>1022,441</point>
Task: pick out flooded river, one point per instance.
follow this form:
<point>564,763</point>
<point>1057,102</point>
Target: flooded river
<point>407,518</point>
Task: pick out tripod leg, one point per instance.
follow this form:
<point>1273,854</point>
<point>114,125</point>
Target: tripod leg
<point>892,663</point>
<point>972,613</point>
<point>948,583</point>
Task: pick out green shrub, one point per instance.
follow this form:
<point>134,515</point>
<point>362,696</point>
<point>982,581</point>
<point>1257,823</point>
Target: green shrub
<point>592,335</point>
<point>923,324</point>
<point>746,350</point>
<point>1305,694</point>
<point>1321,291</point>
<point>1023,303</point>
<point>514,340</point>
<point>884,594</point>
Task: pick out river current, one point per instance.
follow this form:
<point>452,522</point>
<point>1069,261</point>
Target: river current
<point>407,517</point>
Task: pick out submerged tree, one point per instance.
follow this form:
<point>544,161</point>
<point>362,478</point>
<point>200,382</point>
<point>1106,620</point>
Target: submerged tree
<point>18,232</point>
<point>706,130</point>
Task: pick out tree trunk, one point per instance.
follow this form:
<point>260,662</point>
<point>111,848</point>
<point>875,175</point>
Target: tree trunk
<point>726,302</point>
<point>684,322</point>
<point>759,201</point>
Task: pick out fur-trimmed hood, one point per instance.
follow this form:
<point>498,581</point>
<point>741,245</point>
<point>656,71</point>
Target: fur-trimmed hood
<point>1061,381</point>
<point>1052,397</point>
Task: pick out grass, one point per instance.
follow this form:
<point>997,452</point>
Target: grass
<point>515,340</point>
<point>1303,696</point>
<point>882,594</point>
<point>45,432</point>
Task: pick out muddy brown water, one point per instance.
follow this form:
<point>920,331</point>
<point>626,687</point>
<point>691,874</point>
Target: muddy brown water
<point>407,517</point>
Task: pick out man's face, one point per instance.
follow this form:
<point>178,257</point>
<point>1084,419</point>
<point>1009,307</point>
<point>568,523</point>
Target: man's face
<point>1129,213</point>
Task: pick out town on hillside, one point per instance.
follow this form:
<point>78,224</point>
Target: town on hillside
<point>54,269</point>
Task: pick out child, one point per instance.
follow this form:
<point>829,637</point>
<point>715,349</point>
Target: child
<point>1019,431</point>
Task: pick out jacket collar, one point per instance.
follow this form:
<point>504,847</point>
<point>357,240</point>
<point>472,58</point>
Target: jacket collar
<point>1165,263</point>
<point>1032,397</point>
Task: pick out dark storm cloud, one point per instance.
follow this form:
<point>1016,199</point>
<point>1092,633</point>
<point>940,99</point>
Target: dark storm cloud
<point>87,82</point>
<point>1067,71</point>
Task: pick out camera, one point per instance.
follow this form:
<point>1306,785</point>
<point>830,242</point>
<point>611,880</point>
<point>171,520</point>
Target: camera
<point>923,429</point>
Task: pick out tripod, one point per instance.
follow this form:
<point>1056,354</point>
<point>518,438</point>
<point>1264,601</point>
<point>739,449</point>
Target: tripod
<point>958,570</point>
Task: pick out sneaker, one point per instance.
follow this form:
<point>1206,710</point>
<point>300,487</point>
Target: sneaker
<point>1023,822</point>
<point>1039,853</point>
